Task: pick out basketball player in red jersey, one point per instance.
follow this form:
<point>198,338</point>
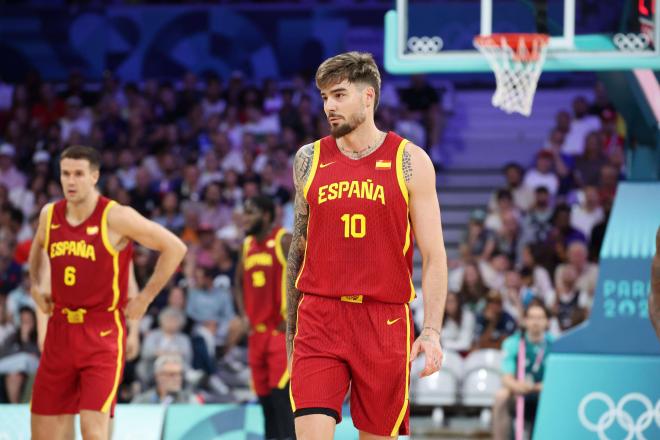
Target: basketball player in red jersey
<point>360,196</point>
<point>260,288</point>
<point>88,240</point>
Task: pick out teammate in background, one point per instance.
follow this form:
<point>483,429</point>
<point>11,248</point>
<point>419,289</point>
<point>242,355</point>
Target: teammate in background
<point>654,297</point>
<point>260,295</point>
<point>88,240</point>
<point>360,195</point>
<point>132,339</point>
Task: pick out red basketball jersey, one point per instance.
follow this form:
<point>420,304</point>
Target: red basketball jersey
<point>264,280</point>
<point>359,238</point>
<point>85,270</point>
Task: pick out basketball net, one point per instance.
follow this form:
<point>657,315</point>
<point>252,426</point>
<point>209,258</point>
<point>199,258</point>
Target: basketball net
<point>517,61</point>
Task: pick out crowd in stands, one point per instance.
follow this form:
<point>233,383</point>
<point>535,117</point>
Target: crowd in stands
<point>185,154</point>
<point>540,235</point>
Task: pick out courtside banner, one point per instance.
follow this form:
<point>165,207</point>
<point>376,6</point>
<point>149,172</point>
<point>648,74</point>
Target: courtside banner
<point>132,422</point>
<point>229,422</point>
<point>600,397</point>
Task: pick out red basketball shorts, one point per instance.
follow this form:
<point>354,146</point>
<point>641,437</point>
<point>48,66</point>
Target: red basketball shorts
<point>82,363</point>
<point>362,345</point>
<point>267,359</point>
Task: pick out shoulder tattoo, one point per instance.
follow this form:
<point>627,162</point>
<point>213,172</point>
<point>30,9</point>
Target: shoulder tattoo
<point>407,166</point>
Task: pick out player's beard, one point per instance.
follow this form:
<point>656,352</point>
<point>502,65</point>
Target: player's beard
<point>354,121</point>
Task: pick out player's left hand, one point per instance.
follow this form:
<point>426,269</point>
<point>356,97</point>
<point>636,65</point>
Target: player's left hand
<point>136,307</point>
<point>429,343</point>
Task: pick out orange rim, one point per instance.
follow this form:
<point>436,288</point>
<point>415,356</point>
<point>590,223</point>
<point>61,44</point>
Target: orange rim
<point>532,43</point>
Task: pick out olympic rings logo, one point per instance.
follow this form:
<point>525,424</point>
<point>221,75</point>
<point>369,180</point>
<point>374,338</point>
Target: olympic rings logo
<point>425,44</point>
<point>618,412</point>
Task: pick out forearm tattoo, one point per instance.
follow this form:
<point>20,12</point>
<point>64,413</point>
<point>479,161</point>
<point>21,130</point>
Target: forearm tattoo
<point>302,166</point>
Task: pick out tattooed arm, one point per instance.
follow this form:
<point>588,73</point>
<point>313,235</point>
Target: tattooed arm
<point>302,166</point>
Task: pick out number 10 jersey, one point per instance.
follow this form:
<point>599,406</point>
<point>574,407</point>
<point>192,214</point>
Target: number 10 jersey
<point>359,238</point>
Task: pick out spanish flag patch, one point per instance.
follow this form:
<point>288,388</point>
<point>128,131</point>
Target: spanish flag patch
<point>383,164</point>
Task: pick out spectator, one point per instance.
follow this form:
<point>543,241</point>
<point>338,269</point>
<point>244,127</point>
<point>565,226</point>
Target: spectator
<point>10,176</point>
<point>563,233</point>
<point>521,194</point>
<point>506,240</point>
<point>475,238</point>
<point>588,213</point>
<point>581,124</point>
<point>536,224</point>
<point>541,283</point>
<point>493,324</point>
<point>571,304</point>
<point>538,343</point>
<point>19,356</point>
<point>422,100</point>
<point>19,298</point>
<point>542,174</point>
<point>587,273</point>
<point>167,339</point>
<point>590,162</point>
<point>169,372</point>
<point>10,270</point>
<point>472,290</point>
<point>458,325</point>
<point>208,303</point>
<point>170,215</point>
<point>503,204</point>
<point>76,120</point>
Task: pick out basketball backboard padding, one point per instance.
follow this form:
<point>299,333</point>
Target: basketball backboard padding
<point>593,52</point>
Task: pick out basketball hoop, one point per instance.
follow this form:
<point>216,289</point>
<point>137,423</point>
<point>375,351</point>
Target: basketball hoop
<point>517,61</point>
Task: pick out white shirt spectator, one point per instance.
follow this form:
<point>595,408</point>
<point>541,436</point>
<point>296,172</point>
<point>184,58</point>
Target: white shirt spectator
<point>534,178</point>
<point>459,338</point>
<point>584,219</point>
<point>580,128</point>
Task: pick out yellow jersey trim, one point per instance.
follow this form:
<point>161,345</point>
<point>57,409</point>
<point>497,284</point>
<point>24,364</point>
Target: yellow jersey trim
<point>115,256</point>
<point>49,220</point>
<point>315,163</point>
<point>120,363</point>
<point>402,413</point>
<point>246,247</point>
<point>308,183</point>
<point>293,350</point>
<point>399,169</point>
<point>279,252</point>
<point>283,380</point>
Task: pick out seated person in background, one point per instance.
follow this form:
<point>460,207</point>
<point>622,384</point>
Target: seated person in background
<point>572,304</point>
<point>19,356</point>
<point>212,307</point>
<point>169,383</point>
<point>542,174</point>
<point>494,324</point>
<point>472,289</point>
<point>522,195</point>
<point>503,205</point>
<point>167,339</point>
<point>475,237</point>
<point>587,273</point>
<point>458,325</point>
<point>541,282</point>
<point>537,346</point>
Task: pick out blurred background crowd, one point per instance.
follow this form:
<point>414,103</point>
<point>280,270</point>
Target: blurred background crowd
<point>188,153</point>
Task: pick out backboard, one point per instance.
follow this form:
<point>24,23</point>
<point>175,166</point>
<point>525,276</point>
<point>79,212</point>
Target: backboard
<point>424,36</point>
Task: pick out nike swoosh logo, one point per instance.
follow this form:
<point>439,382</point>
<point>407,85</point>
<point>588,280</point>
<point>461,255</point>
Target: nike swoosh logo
<point>323,165</point>
<point>390,322</point>
<point>54,226</point>
<point>105,333</point>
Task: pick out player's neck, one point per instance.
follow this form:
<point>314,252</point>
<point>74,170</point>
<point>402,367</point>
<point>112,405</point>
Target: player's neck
<point>78,212</point>
<point>365,136</point>
<point>263,233</point>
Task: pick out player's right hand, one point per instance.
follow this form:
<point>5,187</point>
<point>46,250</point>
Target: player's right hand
<point>43,300</point>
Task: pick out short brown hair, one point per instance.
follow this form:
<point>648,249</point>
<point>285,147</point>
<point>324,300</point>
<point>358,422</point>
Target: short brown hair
<point>82,152</point>
<point>356,67</point>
